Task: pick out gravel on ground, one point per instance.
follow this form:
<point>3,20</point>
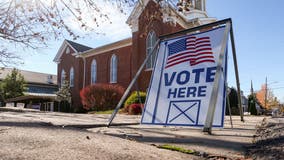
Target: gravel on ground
<point>268,141</point>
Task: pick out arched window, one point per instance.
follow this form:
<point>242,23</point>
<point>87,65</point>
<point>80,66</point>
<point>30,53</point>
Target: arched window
<point>63,76</point>
<point>67,50</point>
<point>113,69</point>
<point>150,42</point>
<point>71,77</point>
<point>93,71</point>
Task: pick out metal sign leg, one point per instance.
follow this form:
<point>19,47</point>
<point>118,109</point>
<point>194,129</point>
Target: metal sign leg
<point>132,83</point>
<point>237,74</point>
<point>213,100</point>
<point>229,105</point>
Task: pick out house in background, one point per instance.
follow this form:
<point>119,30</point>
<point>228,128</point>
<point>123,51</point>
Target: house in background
<point>40,92</point>
<point>118,62</point>
<point>245,102</point>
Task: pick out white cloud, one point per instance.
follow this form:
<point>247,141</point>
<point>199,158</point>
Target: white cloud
<point>109,30</point>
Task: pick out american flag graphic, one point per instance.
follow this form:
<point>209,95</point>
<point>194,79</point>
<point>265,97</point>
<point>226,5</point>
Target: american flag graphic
<point>191,49</point>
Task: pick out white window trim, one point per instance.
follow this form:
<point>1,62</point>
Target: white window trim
<point>72,77</point>
<point>67,50</point>
<point>112,68</point>
<point>63,76</point>
<point>150,37</point>
<point>94,61</point>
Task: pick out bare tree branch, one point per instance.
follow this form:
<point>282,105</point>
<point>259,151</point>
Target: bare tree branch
<point>31,23</point>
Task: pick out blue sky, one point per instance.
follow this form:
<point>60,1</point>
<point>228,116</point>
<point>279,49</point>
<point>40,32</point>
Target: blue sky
<point>258,27</point>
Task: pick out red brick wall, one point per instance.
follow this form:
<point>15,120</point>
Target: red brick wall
<point>148,23</point>
<point>68,61</point>
<point>103,66</point>
<point>103,70</point>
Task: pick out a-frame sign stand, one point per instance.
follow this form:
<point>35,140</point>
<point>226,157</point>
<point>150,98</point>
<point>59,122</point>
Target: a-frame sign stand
<point>213,99</point>
<point>127,91</point>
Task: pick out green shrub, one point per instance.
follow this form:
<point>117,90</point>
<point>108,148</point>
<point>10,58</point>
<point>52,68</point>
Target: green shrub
<point>134,99</point>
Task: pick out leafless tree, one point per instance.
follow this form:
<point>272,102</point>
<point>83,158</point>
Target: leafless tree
<point>31,23</point>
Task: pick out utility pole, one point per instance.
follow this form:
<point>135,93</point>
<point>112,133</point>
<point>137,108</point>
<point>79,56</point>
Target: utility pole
<point>265,98</point>
<point>251,88</point>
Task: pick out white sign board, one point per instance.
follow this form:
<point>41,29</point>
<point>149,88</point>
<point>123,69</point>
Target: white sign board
<point>182,81</point>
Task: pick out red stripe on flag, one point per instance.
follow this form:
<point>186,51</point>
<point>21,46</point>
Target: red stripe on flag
<point>185,60</point>
<point>189,53</point>
<point>206,60</point>
<point>203,49</point>
<point>190,41</point>
<point>194,59</point>
<point>202,45</point>
<point>202,38</point>
<point>186,55</point>
<point>191,60</point>
<point>205,41</point>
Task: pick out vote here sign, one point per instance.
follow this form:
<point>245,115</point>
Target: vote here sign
<point>182,81</point>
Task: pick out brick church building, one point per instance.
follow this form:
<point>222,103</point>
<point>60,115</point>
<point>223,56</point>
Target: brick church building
<point>118,62</point>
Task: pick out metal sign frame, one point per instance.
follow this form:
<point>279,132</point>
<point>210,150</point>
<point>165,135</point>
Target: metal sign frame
<point>210,113</point>
<point>123,98</point>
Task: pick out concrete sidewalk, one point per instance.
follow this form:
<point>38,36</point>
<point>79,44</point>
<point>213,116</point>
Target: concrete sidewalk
<point>67,119</point>
<point>228,142</point>
<point>26,136</point>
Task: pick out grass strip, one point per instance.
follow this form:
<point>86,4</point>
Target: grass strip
<point>176,148</point>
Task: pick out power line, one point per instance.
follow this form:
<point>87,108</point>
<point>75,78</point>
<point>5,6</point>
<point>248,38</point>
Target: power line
<point>277,88</point>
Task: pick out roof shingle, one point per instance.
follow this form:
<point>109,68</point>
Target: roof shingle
<point>78,47</point>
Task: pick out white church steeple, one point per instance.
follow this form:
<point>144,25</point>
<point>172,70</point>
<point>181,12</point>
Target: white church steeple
<point>194,12</point>
<point>186,13</point>
<point>188,5</point>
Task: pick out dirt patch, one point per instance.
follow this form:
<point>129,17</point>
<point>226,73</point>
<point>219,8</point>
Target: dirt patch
<point>268,140</point>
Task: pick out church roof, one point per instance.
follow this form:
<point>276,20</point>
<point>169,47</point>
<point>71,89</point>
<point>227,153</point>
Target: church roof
<point>107,47</point>
<point>78,47</point>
